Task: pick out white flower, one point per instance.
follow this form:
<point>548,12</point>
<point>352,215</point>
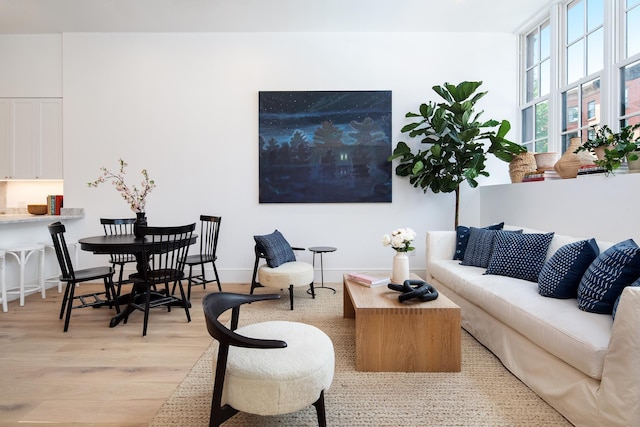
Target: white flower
<point>400,239</point>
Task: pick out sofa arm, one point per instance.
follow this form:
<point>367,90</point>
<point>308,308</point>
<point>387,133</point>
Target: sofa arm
<point>620,387</point>
<point>440,245</point>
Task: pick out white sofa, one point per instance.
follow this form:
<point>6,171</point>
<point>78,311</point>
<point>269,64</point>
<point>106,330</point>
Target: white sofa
<point>585,365</point>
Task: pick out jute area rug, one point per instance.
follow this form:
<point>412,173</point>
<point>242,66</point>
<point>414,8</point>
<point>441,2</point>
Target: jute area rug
<point>484,393</point>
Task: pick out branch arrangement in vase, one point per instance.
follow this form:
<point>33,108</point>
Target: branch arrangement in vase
<point>135,198</point>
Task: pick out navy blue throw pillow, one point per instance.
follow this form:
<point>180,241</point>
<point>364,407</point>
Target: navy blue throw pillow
<point>480,247</point>
<point>561,275</point>
<point>462,238</point>
<point>615,304</point>
<point>275,248</point>
<point>519,255</point>
<point>608,274</point>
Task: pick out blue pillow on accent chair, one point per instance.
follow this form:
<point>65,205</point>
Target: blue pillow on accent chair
<point>519,255</point>
<point>608,274</point>
<point>561,275</point>
<point>275,248</point>
<point>462,238</point>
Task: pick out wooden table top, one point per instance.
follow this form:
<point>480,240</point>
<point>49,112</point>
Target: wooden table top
<point>381,297</point>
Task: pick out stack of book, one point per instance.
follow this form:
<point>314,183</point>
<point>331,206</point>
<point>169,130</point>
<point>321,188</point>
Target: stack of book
<point>369,280</point>
<point>54,203</point>
<point>590,170</point>
<point>533,176</point>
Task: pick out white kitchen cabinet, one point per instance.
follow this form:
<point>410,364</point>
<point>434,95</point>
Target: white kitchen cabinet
<point>31,138</point>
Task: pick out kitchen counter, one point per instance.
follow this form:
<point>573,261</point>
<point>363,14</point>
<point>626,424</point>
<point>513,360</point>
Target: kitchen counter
<point>65,213</point>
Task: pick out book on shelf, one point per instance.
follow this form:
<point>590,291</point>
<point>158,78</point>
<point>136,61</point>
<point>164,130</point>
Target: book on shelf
<point>590,170</point>
<point>369,280</point>
<point>54,204</point>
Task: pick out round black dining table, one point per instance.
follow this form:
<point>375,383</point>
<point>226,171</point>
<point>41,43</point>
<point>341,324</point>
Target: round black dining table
<point>127,244</point>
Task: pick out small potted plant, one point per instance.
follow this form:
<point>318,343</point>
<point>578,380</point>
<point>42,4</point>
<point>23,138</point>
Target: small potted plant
<point>615,146</point>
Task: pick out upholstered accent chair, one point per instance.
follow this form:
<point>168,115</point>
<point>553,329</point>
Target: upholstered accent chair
<point>266,368</point>
<point>281,269</point>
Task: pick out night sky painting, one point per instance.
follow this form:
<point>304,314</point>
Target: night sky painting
<point>325,147</point>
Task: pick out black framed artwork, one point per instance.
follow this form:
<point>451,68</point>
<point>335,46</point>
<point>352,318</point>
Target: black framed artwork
<point>325,146</point>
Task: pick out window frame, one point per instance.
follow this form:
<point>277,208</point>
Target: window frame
<point>614,46</point>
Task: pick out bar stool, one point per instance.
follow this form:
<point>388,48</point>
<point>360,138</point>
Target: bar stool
<point>3,287</point>
<point>55,278</point>
<point>22,254</point>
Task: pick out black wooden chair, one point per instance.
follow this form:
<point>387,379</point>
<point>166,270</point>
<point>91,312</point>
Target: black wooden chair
<point>298,362</point>
<point>114,226</point>
<point>166,250</point>
<point>209,231</point>
<point>73,277</point>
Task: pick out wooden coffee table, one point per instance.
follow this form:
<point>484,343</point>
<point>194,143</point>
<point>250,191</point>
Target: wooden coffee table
<point>412,336</point>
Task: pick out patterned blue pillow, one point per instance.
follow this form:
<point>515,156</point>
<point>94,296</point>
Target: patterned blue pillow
<point>615,304</point>
<point>275,248</point>
<point>519,255</point>
<point>462,238</point>
<point>602,284</point>
<point>560,276</point>
<point>480,247</point>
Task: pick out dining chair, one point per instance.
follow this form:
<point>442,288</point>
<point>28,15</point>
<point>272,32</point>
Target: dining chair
<point>115,226</point>
<point>293,371</point>
<point>209,231</point>
<point>166,249</point>
<point>72,277</point>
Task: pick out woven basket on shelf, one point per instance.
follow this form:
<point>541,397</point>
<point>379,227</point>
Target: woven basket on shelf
<point>520,165</point>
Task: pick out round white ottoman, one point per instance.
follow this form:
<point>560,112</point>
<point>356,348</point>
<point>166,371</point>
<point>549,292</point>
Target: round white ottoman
<point>286,276</point>
<point>283,380</point>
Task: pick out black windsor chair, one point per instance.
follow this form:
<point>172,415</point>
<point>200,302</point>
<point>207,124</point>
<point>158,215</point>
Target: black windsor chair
<point>166,249</point>
<point>209,231</point>
<point>73,277</point>
<point>116,226</point>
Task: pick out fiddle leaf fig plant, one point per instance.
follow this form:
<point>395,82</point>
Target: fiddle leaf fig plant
<point>456,142</point>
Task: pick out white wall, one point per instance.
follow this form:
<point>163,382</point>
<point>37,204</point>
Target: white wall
<point>184,106</point>
<point>604,207</point>
<point>31,66</point>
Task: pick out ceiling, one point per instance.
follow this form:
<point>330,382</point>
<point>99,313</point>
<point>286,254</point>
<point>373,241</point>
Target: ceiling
<point>58,16</point>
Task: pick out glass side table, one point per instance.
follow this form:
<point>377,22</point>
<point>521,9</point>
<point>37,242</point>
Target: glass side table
<point>321,250</point>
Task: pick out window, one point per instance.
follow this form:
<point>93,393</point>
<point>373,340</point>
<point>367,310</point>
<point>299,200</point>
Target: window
<point>580,68</point>
<point>583,58</point>
<point>535,117</point>
<point>629,65</point>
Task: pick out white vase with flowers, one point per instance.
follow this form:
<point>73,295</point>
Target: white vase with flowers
<point>400,240</point>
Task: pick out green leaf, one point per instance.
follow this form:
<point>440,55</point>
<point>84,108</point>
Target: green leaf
<point>410,127</point>
<point>419,166</point>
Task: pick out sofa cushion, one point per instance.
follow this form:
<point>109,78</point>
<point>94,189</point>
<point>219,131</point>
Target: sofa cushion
<point>579,338</point>
<point>462,238</point>
<point>608,274</point>
<point>275,248</point>
<point>518,255</point>
<point>480,247</point>
<point>561,274</point>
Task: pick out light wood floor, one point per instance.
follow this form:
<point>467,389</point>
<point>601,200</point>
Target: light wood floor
<point>93,374</point>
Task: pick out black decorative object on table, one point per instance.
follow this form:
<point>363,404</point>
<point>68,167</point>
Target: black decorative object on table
<point>411,289</point>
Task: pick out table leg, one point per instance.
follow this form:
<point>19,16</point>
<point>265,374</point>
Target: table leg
<point>322,286</point>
